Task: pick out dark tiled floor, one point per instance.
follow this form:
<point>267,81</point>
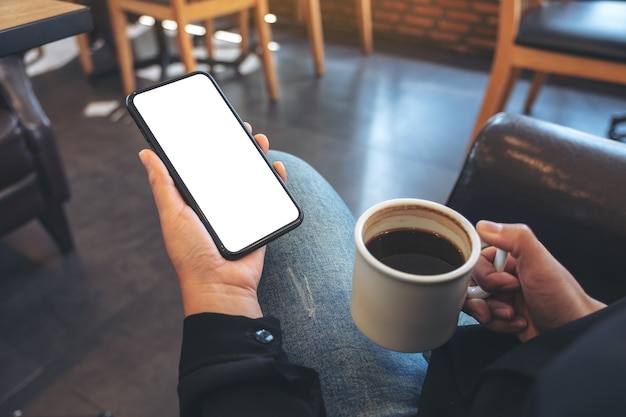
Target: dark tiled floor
<point>100,328</point>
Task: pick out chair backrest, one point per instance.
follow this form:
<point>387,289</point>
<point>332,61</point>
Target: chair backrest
<point>583,39</point>
<point>568,186</point>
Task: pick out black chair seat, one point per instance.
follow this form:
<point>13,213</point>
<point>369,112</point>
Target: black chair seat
<point>591,28</point>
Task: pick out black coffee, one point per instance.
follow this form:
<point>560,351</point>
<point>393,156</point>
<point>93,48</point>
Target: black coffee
<point>416,251</point>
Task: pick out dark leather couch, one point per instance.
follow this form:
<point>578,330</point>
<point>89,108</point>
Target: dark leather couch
<point>568,186</point>
<point>33,184</point>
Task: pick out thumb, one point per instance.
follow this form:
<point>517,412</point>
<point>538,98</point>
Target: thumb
<point>166,195</point>
<point>516,239</point>
<point>149,160</point>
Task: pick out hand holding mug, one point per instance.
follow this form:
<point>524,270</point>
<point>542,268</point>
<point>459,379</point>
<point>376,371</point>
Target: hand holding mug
<point>533,294</point>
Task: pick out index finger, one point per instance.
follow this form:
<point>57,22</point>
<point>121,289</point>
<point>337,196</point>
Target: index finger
<point>491,280</point>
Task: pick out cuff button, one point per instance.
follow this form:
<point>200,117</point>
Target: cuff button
<point>263,336</point>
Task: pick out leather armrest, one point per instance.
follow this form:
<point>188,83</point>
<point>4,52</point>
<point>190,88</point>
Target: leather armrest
<point>568,186</point>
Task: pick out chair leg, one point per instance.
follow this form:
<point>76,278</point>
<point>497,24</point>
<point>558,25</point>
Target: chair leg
<point>266,54</point>
<point>122,46</point>
<point>55,222</point>
<point>164,52</point>
<point>300,11</point>
<point>84,53</point>
<point>316,35</point>
<point>365,25</point>
<point>185,47</point>
<point>244,31</point>
<point>501,81</point>
<point>508,89</point>
<point>538,80</point>
<point>209,27</point>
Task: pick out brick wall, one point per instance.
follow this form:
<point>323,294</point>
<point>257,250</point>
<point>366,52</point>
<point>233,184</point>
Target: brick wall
<point>463,25</point>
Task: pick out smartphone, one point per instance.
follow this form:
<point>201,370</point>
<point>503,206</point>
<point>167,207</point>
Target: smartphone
<point>215,162</point>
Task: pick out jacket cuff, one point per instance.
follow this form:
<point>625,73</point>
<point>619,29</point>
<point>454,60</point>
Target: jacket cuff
<point>210,338</point>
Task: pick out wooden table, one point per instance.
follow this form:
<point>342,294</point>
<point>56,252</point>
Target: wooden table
<point>26,24</point>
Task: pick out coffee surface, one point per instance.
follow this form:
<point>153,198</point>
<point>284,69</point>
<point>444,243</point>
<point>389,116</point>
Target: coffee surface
<point>415,251</point>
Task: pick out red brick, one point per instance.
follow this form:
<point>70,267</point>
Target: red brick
<point>454,27</point>
<point>444,36</point>
<point>481,42</point>
<point>334,8</point>
<point>485,31</point>
<point>419,21</point>
<point>487,7</point>
<point>422,2</point>
<point>458,47</point>
<point>492,20</point>
<point>454,4</point>
<point>464,16</point>
<point>412,31</point>
<point>386,16</point>
<point>429,11</point>
<point>393,5</point>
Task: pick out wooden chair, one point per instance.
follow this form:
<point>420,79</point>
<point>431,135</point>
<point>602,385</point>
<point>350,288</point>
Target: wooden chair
<point>184,12</point>
<point>583,39</point>
<point>312,12</point>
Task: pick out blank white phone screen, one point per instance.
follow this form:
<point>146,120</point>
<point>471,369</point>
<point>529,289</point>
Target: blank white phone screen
<point>231,183</point>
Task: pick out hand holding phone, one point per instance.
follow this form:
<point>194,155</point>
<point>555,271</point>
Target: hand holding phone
<point>209,283</point>
<point>215,163</point>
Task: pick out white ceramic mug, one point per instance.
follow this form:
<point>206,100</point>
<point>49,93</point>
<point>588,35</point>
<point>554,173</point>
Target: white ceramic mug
<point>403,311</point>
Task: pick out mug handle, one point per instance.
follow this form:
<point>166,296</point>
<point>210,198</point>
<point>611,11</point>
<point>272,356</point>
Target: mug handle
<point>474,292</point>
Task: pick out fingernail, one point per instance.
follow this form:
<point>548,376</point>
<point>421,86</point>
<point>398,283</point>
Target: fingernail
<point>488,226</point>
<point>143,156</point>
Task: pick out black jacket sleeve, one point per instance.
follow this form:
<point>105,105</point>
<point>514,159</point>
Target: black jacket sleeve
<point>577,369</point>
<point>234,366</point>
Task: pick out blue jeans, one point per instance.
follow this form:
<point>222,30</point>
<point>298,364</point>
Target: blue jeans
<point>306,283</point>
